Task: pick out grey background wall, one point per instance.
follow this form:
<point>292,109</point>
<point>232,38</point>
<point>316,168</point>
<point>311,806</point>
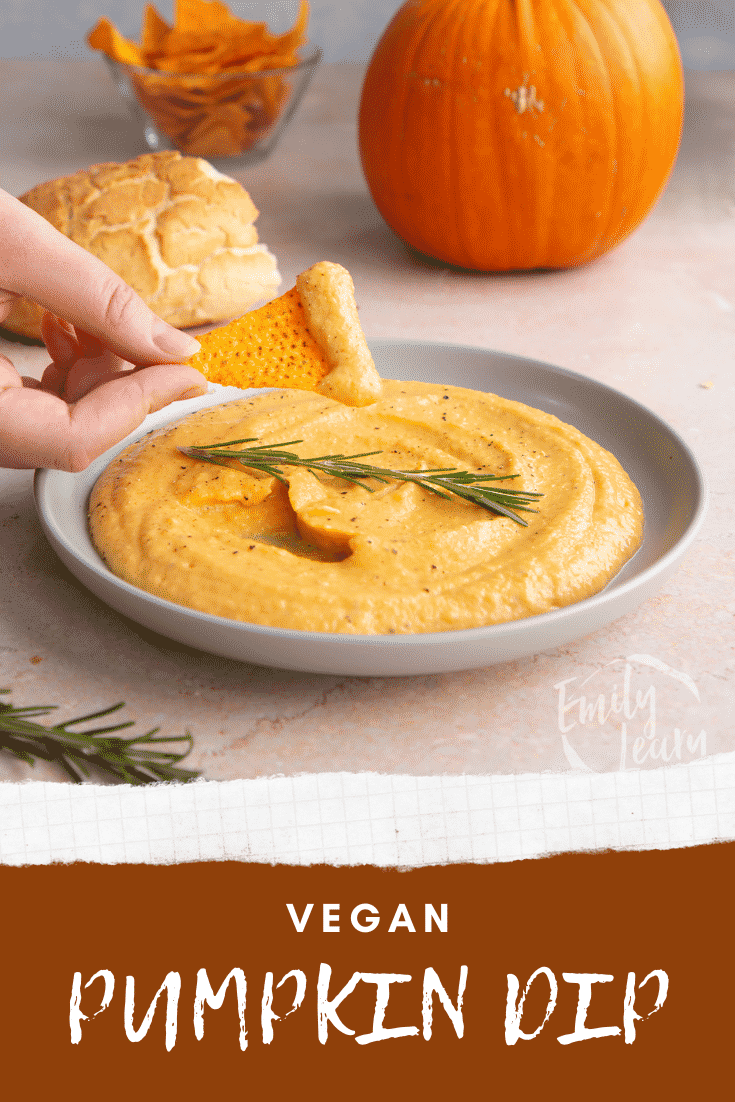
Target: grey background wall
<point>346,32</point>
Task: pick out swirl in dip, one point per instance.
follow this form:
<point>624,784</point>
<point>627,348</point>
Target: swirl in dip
<point>322,554</point>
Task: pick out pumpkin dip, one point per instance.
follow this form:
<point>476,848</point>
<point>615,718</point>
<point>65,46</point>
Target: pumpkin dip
<point>322,554</point>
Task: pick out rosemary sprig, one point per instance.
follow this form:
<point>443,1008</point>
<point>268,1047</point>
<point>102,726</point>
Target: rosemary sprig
<point>126,759</point>
<point>444,481</point>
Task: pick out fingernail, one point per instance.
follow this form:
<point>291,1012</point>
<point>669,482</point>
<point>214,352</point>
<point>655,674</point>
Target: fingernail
<point>174,343</point>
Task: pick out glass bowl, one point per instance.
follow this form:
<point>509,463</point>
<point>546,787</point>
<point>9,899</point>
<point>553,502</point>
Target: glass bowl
<point>234,118</point>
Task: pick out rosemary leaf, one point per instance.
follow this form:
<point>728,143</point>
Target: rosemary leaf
<point>134,760</point>
<point>446,482</point>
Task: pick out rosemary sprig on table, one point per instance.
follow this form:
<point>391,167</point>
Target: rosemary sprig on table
<point>444,481</point>
<point>126,759</point>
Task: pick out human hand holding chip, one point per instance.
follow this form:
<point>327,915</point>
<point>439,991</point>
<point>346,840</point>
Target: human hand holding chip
<point>111,362</point>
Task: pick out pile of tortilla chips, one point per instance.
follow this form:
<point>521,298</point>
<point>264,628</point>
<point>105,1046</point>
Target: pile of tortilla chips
<point>202,87</point>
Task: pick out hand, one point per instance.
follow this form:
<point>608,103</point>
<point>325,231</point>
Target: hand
<point>110,359</point>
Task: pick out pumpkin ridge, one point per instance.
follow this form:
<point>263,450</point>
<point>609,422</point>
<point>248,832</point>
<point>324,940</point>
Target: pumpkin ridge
<point>397,167</point>
<point>635,198</point>
<point>640,209</point>
<point>597,71</point>
<point>484,128</point>
<point>610,229</point>
<point>529,35</point>
<point>547,245</point>
<point>414,162</point>
<point>615,229</point>
<point>514,74</point>
<point>452,120</point>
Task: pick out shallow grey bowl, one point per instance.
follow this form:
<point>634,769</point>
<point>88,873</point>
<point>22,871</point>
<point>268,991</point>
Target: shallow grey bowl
<point>656,458</point>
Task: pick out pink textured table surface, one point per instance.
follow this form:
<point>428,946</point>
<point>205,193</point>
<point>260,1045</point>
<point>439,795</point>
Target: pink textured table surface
<point>655,318</point>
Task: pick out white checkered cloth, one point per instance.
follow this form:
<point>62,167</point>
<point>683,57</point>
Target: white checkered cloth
<point>358,818</point>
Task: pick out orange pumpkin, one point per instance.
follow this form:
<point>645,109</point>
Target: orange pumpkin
<point>507,134</point>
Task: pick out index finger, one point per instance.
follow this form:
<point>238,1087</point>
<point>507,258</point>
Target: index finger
<point>39,262</point>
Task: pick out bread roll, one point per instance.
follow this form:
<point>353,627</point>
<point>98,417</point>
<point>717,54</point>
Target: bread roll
<point>177,230</point>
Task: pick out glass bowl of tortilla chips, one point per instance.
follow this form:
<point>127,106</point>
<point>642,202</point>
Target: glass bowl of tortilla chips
<point>212,85</point>
<point>219,116</point>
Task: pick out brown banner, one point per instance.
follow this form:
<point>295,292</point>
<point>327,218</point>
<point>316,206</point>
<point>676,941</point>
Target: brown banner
<point>399,984</point>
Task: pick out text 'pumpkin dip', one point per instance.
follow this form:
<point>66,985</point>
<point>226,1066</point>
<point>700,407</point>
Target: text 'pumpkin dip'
<point>322,554</point>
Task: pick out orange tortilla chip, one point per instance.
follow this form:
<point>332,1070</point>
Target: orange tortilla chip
<point>203,15</point>
<point>271,346</point>
<point>216,133</point>
<point>272,61</point>
<point>153,31</point>
<point>294,38</point>
<point>107,38</point>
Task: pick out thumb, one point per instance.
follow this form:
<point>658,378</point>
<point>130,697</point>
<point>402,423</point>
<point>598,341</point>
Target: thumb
<point>40,429</point>
<point>110,411</point>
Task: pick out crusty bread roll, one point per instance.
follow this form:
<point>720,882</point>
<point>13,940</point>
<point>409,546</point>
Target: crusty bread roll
<point>177,230</point>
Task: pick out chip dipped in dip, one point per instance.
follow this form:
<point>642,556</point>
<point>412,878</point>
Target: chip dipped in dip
<point>322,554</point>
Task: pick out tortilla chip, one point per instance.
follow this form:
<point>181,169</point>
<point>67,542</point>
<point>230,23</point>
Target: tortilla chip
<point>271,346</point>
<point>203,15</point>
<point>294,38</point>
<point>272,61</point>
<point>107,38</point>
<point>218,132</point>
<point>153,31</point>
